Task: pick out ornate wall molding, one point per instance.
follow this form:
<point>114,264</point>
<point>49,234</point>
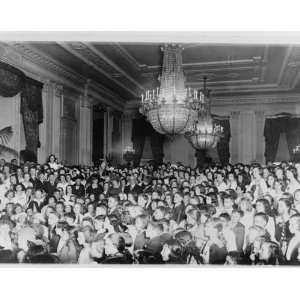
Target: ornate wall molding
<point>41,67</point>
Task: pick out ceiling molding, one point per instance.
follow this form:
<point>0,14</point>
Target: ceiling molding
<point>285,61</point>
<point>221,63</point>
<point>290,75</point>
<point>112,64</point>
<point>58,72</point>
<point>82,52</point>
<point>264,63</point>
<point>45,60</point>
<point>127,56</point>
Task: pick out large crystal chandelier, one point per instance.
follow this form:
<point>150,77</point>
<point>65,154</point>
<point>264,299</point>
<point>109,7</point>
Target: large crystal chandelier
<point>204,133</point>
<point>171,108</point>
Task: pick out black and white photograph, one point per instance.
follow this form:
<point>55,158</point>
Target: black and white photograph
<point>143,153</point>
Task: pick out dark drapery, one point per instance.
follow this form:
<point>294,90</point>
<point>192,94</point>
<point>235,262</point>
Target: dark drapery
<point>293,136</point>
<point>223,145</point>
<point>272,130</point>
<point>32,113</point>
<point>157,143</point>
<point>274,127</point>
<point>14,81</point>
<point>138,139</point>
<point>11,80</point>
<point>116,137</point>
<point>140,130</point>
<point>202,158</point>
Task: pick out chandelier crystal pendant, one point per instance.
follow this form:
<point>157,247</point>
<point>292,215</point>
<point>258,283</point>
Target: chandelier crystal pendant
<point>204,133</point>
<point>171,108</point>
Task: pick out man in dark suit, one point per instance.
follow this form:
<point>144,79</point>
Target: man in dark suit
<point>78,188</point>
<point>113,206</point>
<point>155,232</point>
<point>132,187</point>
<point>50,186</point>
<point>238,229</point>
<point>37,184</point>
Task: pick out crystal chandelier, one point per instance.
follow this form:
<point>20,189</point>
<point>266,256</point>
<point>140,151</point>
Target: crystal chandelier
<point>204,133</point>
<point>171,108</point>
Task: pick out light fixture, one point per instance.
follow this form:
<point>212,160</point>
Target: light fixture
<point>171,108</point>
<point>204,133</point>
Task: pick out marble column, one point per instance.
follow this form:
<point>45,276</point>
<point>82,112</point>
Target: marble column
<point>127,129</point>
<point>234,141</point>
<point>117,136</point>
<point>247,137</point>
<point>50,129</point>
<point>260,139</point>
<point>108,127</point>
<point>85,129</point>
<point>245,146</point>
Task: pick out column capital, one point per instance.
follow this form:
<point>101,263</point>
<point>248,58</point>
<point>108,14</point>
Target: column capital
<point>48,84</point>
<point>86,101</point>
<point>58,89</point>
<point>116,113</point>
<point>259,113</point>
<point>129,113</point>
<point>235,114</point>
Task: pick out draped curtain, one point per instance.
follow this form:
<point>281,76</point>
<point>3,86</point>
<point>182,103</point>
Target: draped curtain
<point>274,127</point>
<point>138,139</point>
<point>223,145</point>
<point>202,159</point>
<point>293,135</point>
<point>116,137</point>
<point>32,113</point>
<point>14,81</point>
<point>157,141</point>
<point>272,132</point>
<point>140,130</point>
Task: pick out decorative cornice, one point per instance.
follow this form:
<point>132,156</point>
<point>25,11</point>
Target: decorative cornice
<point>235,114</point>
<point>58,72</point>
<point>256,99</point>
<point>44,60</point>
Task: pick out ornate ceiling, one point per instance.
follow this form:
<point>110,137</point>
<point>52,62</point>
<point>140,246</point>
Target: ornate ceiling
<point>125,69</point>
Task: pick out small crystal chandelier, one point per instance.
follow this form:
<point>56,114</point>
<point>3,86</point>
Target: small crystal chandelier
<point>204,133</point>
<point>172,108</point>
